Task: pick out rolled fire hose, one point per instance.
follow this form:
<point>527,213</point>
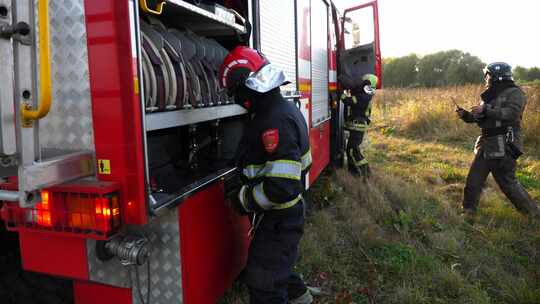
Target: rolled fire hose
<point>157,43</point>
<point>156,64</point>
<point>194,84</point>
<point>149,82</point>
<point>198,68</point>
<point>173,46</point>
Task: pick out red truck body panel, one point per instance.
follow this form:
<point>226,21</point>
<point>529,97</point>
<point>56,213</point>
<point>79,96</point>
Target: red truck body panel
<point>91,293</point>
<point>55,255</point>
<point>214,242</point>
<point>116,106</point>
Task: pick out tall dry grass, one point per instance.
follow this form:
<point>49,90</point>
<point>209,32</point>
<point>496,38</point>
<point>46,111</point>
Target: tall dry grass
<point>391,240</point>
<point>398,238</point>
<point>429,113</point>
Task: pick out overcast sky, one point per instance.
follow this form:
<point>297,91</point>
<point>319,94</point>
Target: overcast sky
<point>494,30</point>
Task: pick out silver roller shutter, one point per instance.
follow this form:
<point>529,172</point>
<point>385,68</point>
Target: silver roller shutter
<point>278,36</point>
<point>319,62</point>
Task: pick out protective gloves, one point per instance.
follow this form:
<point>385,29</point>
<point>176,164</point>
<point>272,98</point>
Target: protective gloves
<point>233,186</point>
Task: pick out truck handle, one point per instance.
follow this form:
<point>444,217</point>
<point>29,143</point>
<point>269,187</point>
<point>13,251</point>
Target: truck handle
<point>45,94</point>
<point>157,11</point>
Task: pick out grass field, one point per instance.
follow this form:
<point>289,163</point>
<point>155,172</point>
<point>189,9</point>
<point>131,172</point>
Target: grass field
<point>398,238</point>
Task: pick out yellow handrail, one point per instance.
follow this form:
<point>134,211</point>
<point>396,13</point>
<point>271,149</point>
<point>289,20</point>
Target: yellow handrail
<point>157,11</point>
<point>45,82</point>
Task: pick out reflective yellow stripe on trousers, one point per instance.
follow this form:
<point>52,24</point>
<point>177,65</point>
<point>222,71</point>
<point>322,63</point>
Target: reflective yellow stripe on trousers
<point>356,126</point>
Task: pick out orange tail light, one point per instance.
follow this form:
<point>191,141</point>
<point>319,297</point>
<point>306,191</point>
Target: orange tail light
<point>91,210</point>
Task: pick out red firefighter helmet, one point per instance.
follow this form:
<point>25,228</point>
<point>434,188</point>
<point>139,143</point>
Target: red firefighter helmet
<point>238,65</point>
<point>249,66</point>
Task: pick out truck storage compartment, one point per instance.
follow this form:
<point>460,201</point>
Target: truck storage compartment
<point>185,159</point>
<point>192,127</point>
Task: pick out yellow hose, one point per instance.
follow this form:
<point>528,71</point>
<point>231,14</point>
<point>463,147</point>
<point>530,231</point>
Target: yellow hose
<point>45,82</point>
<point>157,11</point>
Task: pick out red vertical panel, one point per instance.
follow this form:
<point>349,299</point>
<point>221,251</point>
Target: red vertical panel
<point>303,15</point>
<point>115,102</point>
<point>332,51</point>
<point>214,243</point>
<point>54,255</point>
<point>91,293</point>
<point>320,149</point>
<point>378,56</point>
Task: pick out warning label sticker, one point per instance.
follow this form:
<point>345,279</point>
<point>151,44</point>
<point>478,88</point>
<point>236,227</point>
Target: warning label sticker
<point>104,166</point>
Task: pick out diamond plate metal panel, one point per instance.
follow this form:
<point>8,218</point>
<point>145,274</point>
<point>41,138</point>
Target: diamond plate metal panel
<point>165,264</point>
<point>69,123</point>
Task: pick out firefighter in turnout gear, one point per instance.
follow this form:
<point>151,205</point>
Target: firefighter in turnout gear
<point>274,157</point>
<point>499,115</point>
<point>358,101</point>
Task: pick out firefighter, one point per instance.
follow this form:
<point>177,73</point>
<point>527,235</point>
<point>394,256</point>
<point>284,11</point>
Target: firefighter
<point>274,156</point>
<point>499,116</point>
<point>358,101</point>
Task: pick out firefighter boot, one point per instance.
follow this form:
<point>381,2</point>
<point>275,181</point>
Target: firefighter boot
<point>306,298</point>
<point>468,215</point>
<point>365,170</point>
<point>351,163</point>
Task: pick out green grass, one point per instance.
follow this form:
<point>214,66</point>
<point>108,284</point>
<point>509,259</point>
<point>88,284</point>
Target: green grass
<point>399,238</point>
<point>402,238</point>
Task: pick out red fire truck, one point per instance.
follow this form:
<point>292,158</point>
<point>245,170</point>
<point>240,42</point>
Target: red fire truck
<point>116,137</point>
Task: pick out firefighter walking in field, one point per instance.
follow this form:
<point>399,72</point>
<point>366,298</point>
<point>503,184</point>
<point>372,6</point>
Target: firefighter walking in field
<point>358,101</point>
<point>499,115</point>
<point>274,156</point>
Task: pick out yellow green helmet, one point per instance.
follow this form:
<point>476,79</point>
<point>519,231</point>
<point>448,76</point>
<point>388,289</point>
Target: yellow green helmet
<point>373,80</point>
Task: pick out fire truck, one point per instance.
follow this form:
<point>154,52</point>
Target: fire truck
<point>116,137</point>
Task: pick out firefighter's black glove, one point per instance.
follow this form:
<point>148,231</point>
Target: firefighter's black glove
<point>461,112</point>
<point>232,185</point>
<point>234,203</point>
<point>465,115</point>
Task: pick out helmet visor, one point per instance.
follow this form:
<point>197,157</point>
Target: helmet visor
<point>266,79</point>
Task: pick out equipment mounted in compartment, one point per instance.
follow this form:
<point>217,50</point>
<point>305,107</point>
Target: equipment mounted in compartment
<point>187,112</point>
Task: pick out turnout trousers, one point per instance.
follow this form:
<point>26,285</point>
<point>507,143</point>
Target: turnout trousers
<point>272,255</point>
<point>356,161</point>
<point>504,172</point>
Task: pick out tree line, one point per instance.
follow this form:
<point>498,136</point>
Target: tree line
<point>446,68</point>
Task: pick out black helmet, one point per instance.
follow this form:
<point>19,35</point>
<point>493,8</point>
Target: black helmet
<point>499,71</point>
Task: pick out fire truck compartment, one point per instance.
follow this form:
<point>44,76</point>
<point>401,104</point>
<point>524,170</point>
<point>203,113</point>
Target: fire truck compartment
<point>185,159</point>
<point>192,127</point>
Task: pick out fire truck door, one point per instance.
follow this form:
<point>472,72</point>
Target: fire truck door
<point>359,51</point>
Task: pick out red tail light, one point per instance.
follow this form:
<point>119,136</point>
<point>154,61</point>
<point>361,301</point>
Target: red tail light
<point>42,216</point>
<point>91,210</point>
